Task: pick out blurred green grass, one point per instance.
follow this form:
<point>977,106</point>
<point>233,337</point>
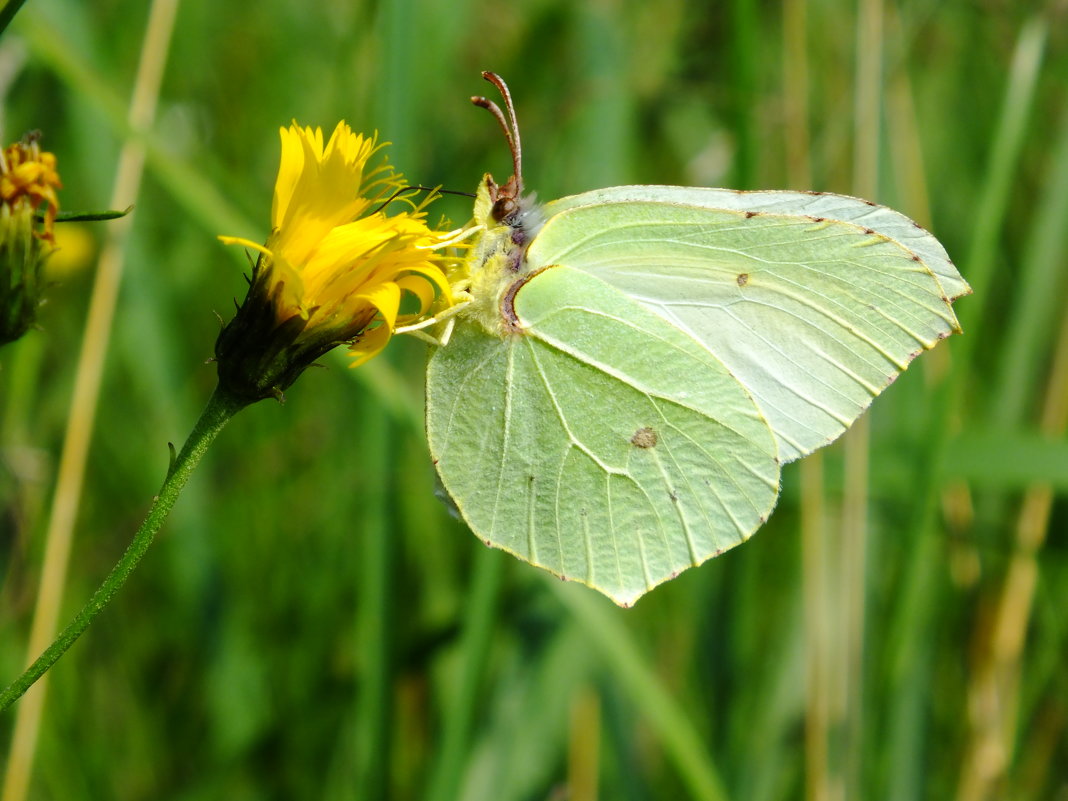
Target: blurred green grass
<point>312,623</point>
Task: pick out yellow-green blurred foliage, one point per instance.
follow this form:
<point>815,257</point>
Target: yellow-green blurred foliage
<point>313,624</point>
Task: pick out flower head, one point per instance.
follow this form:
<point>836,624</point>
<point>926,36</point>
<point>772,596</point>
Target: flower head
<point>335,268</point>
<point>28,207</point>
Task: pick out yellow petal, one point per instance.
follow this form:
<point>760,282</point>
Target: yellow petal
<point>317,189</point>
<point>434,275</point>
<point>248,243</point>
<point>370,344</point>
<point>386,298</point>
<point>420,287</point>
<point>290,167</point>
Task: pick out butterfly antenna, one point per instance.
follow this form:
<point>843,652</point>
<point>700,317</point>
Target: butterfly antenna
<point>517,147</point>
<point>417,188</point>
<point>508,124</point>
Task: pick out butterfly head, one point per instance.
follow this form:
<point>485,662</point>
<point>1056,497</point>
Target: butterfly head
<point>508,219</point>
<point>505,206</point>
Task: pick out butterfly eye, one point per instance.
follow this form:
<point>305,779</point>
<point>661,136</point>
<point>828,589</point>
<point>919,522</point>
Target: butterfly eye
<point>504,208</point>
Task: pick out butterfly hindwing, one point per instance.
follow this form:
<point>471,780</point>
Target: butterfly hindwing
<point>598,441</point>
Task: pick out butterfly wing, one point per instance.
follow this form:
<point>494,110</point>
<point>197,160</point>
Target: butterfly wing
<point>814,315</point>
<point>821,205</point>
<point>598,442</point>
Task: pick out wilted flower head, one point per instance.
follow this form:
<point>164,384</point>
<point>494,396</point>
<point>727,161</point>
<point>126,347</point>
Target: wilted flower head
<point>28,207</point>
<point>335,268</point>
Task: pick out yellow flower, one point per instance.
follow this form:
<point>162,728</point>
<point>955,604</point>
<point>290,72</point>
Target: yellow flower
<point>28,179</point>
<point>28,182</point>
<point>335,268</point>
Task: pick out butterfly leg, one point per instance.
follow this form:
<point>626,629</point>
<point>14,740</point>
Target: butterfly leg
<point>447,316</point>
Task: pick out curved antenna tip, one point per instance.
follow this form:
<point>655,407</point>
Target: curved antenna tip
<point>508,124</point>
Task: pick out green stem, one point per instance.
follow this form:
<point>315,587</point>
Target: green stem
<point>220,408</point>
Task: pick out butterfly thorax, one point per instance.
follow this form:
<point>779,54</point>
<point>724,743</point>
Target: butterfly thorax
<point>497,259</point>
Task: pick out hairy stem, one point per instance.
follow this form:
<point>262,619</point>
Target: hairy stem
<point>220,408</point>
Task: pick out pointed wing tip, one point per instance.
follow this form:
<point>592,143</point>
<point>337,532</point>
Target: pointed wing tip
<point>963,293</point>
<point>624,598</point>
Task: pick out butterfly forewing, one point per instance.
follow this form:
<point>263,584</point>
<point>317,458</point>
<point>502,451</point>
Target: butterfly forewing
<point>820,205</point>
<point>600,443</point>
<point>813,317</point>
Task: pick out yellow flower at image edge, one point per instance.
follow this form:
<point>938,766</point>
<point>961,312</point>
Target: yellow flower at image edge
<point>335,268</point>
<point>28,207</point>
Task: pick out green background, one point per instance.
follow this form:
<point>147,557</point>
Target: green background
<point>313,624</point>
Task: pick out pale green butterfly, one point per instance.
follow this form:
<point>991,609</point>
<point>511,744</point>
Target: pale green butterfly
<point>636,363</point>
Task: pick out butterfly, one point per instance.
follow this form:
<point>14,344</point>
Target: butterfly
<point>635,364</point>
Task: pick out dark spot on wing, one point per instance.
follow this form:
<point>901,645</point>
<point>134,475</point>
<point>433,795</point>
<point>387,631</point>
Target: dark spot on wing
<point>870,203</point>
<point>915,257</point>
<point>743,279</point>
<point>644,438</point>
<point>749,214</point>
<point>869,231</point>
